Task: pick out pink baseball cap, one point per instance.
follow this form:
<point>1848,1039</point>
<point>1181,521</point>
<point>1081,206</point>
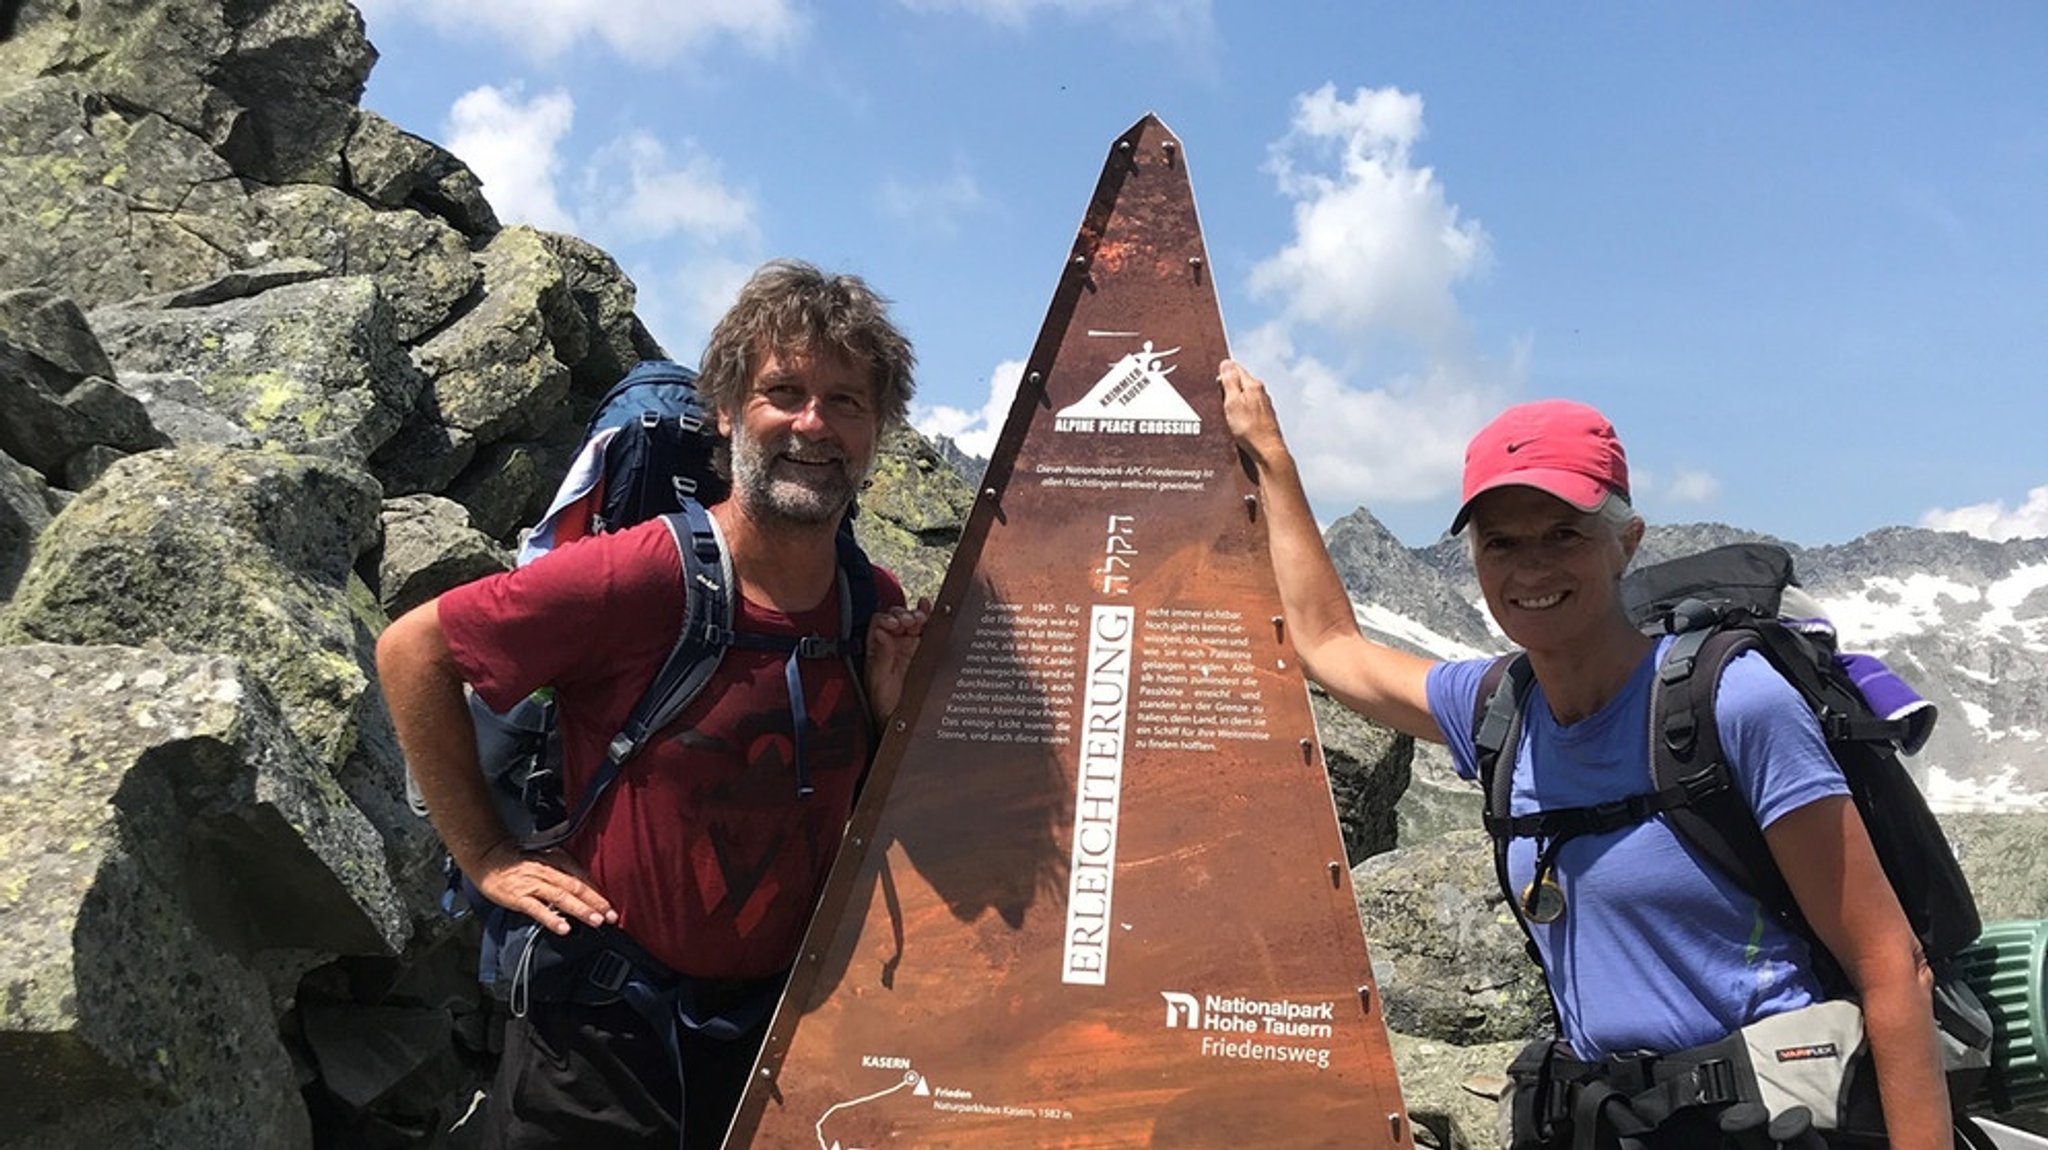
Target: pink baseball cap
<point>1557,446</point>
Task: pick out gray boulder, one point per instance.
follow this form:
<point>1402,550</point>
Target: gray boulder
<point>2004,857</point>
<point>55,398</point>
<point>270,85</point>
<point>603,294</point>
<point>308,366</point>
<point>1453,1093</point>
<point>429,547</point>
<point>177,404</point>
<point>493,373</point>
<point>392,168</point>
<point>510,483</point>
<point>174,858</point>
<point>1446,949</point>
<point>420,264</point>
<point>1370,768</point>
<point>913,514</point>
<point>40,326</point>
<point>243,283</point>
<point>222,552</point>
<point>105,202</point>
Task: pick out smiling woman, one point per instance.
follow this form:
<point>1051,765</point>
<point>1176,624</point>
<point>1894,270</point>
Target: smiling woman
<point>1648,948</point>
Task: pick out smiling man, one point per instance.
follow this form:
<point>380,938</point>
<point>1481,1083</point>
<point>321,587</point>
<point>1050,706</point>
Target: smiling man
<point>708,853</point>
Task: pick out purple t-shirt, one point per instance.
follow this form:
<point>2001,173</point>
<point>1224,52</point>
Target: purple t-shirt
<point>1656,950</point>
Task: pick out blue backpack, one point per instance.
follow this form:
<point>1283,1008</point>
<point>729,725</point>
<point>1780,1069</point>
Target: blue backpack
<point>647,452</point>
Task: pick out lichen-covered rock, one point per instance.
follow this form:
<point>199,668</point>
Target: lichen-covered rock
<point>429,547</point>
<point>162,823</point>
<point>2004,856</point>
<point>1446,949</point>
<point>603,293</point>
<point>245,553</point>
<point>1453,1092</point>
<point>245,282</point>
<point>271,85</point>
<point>493,373</point>
<point>56,401</point>
<point>912,515</point>
<point>106,204</point>
<point>177,407</point>
<point>45,428</point>
<point>421,265</point>
<point>290,85</point>
<point>310,366</point>
<point>392,168</point>
<point>512,482</point>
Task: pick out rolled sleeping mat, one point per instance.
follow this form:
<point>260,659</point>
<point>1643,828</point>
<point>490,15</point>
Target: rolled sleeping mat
<point>2006,966</point>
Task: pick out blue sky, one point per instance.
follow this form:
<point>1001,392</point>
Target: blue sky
<point>1740,230</point>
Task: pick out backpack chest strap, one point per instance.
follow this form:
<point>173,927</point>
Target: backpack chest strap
<point>1614,815</point>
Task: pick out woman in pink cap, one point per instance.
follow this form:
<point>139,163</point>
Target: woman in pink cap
<point>1646,948</point>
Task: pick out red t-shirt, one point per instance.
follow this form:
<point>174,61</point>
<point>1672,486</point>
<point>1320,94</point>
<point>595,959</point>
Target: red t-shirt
<point>702,844</point>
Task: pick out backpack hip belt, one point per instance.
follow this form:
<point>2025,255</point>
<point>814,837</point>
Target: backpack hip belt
<point>598,966</point>
<point>1812,1059</point>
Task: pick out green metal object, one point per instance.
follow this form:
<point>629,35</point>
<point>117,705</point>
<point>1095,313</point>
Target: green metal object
<point>2006,967</point>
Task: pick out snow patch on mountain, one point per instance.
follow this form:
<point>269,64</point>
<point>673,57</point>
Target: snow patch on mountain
<point>1400,631</point>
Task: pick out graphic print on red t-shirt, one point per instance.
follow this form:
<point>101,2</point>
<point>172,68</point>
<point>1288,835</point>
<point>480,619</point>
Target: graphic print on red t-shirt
<point>703,844</point>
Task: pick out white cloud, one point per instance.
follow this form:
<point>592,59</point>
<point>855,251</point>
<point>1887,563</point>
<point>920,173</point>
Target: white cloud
<point>511,146</point>
<point>1377,247</point>
<point>1692,487</point>
<point>1368,358</point>
<point>1992,521</point>
<point>1402,442</point>
<point>932,207</point>
<point>661,197</point>
<point>976,431</point>
<point>644,31</point>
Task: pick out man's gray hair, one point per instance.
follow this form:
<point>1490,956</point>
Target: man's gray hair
<point>792,306</point>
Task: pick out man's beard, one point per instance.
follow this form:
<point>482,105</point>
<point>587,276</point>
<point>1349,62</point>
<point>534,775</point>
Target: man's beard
<point>771,486</point>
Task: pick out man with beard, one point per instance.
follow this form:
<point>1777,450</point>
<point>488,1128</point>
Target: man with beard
<point>708,853</point>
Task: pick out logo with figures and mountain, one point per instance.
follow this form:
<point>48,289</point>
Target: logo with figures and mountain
<point>1133,397</point>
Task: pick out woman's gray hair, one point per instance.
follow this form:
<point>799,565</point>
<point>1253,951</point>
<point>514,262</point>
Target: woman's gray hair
<point>1617,513</point>
<point>792,306</point>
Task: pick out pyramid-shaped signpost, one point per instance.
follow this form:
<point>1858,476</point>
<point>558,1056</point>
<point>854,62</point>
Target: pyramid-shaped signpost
<point>1094,893</point>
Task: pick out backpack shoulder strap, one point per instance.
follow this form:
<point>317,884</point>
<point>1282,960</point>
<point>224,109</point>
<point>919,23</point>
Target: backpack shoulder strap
<point>705,635</point>
<point>1496,731</point>
<point>859,599</point>
<point>1686,752</point>
<point>859,596</point>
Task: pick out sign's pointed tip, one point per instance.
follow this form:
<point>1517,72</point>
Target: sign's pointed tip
<point>1149,126</point>
<point>1149,120</point>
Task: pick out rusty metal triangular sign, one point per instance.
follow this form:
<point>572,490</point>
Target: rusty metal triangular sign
<point>1094,894</point>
